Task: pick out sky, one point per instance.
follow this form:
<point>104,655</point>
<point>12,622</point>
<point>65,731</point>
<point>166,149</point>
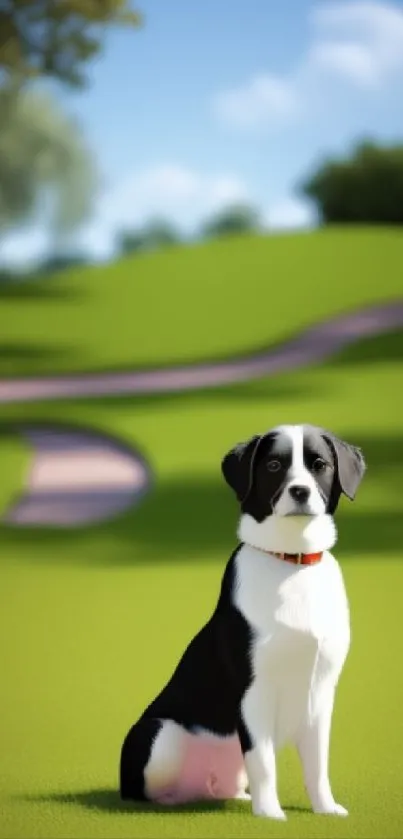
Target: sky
<point>218,101</point>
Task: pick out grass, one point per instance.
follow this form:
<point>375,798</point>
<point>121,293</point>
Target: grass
<point>206,301</point>
<point>94,620</point>
<point>14,459</point>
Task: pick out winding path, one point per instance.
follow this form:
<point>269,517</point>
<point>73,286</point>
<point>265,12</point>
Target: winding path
<point>313,345</point>
<point>79,477</point>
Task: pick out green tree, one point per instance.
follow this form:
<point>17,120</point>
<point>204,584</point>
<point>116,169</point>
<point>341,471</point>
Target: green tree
<point>43,157</point>
<point>130,242</point>
<point>235,220</point>
<point>55,263</point>
<point>45,165</point>
<point>56,38</point>
<point>155,235</point>
<point>364,188</point>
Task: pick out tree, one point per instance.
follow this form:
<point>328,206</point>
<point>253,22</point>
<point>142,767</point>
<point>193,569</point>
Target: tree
<point>364,188</point>
<point>45,165</point>
<point>43,157</point>
<point>56,38</point>
<point>130,242</point>
<point>155,235</point>
<point>233,221</point>
<point>159,233</point>
<point>60,262</point>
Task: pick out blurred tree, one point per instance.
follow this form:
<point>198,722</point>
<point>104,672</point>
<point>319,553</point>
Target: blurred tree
<point>56,38</point>
<point>43,158</point>
<point>155,235</point>
<point>130,242</point>
<point>45,166</point>
<point>234,220</point>
<point>160,233</point>
<point>364,188</point>
<point>59,262</point>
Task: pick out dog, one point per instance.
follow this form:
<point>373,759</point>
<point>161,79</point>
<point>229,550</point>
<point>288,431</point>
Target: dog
<point>263,670</point>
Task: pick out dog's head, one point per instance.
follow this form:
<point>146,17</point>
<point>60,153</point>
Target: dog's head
<point>296,471</point>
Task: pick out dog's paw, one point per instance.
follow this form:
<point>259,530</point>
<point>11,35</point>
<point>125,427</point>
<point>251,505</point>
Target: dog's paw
<point>273,811</point>
<point>243,796</point>
<point>331,809</point>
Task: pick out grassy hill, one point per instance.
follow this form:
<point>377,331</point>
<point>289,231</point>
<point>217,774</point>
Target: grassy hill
<point>207,301</point>
<point>94,619</point>
<point>79,607</point>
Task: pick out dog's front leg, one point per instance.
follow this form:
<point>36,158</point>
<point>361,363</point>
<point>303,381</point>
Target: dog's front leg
<point>313,746</point>
<point>257,741</point>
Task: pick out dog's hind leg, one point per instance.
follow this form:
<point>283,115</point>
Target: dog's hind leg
<point>135,758</point>
<point>164,763</point>
<point>242,786</point>
<point>163,770</point>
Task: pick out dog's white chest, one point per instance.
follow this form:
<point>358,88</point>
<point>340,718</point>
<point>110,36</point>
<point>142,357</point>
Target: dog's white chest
<point>300,619</point>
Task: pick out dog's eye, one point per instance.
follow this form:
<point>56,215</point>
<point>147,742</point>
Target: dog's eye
<point>274,465</point>
<point>319,464</point>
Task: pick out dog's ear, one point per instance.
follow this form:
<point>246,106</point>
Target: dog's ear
<point>237,466</point>
<point>350,465</point>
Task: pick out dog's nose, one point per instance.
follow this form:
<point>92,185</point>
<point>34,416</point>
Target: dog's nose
<point>299,493</point>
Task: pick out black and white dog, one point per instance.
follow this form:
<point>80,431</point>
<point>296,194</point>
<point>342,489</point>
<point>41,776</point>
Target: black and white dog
<point>264,669</point>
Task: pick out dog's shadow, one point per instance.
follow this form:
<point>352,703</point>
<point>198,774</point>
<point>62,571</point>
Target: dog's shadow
<point>109,801</point>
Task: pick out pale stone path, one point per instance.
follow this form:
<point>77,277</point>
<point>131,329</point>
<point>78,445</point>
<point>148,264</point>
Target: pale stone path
<point>314,344</point>
<point>78,477</point>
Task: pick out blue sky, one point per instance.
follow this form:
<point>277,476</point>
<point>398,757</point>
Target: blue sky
<point>214,101</point>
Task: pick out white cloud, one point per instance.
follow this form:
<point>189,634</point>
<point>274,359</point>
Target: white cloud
<point>351,60</point>
<point>161,184</point>
<point>360,42</point>
<point>289,214</point>
<point>24,247</point>
<point>264,100</point>
<point>181,195</point>
<point>170,190</point>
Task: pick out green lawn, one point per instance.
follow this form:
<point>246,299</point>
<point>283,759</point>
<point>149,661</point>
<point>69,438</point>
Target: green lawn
<point>206,301</point>
<point>93,621</point>
<point>14,459</point>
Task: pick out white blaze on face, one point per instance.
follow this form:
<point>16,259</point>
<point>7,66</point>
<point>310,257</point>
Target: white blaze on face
<point>292,437</point>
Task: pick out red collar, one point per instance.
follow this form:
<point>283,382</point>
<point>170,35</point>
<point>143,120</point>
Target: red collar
<point>299,559</point>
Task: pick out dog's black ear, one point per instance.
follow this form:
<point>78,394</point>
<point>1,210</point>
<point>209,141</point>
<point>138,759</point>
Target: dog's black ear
<point>350,465</point>
<point>237,466</point>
